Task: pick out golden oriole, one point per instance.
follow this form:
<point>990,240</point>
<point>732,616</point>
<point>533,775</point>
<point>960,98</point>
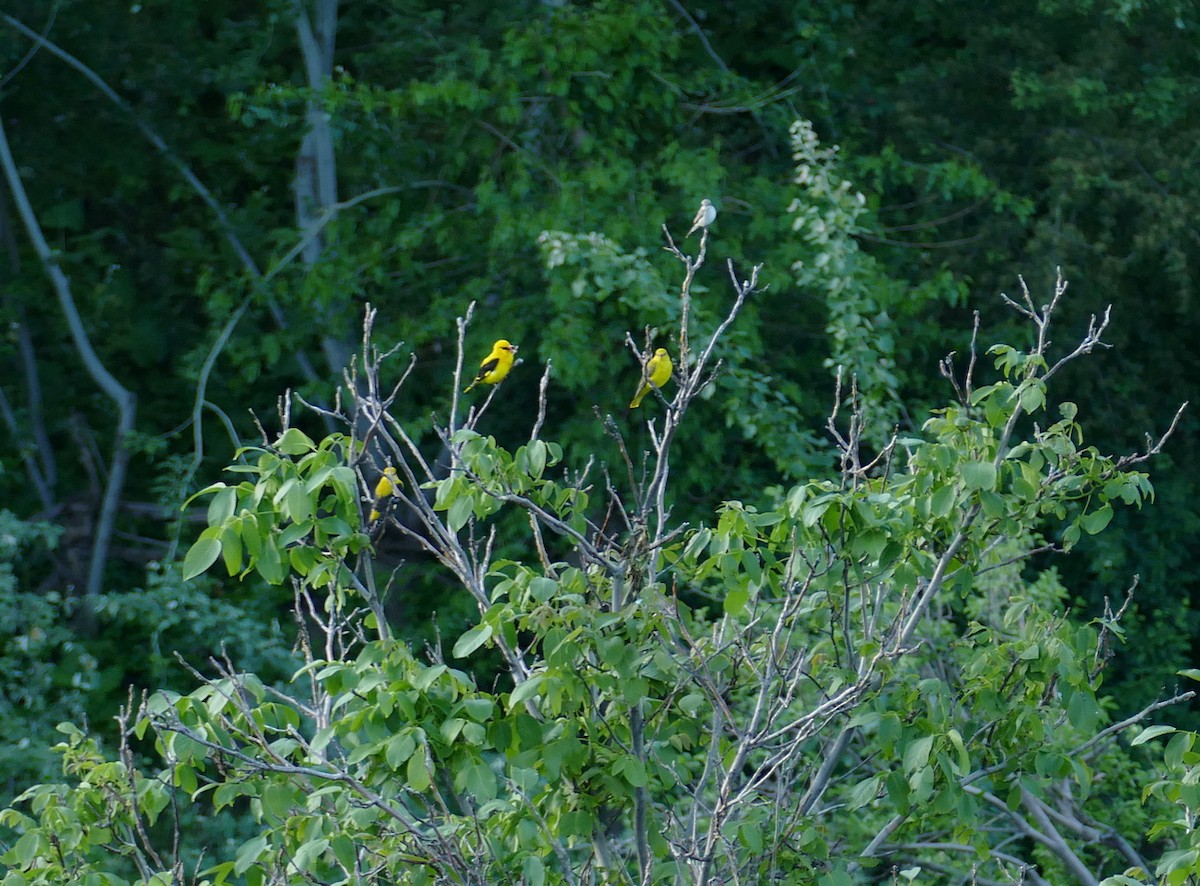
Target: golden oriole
<point>658,370</point>
<point>387,485</point>
<point>495,365</point>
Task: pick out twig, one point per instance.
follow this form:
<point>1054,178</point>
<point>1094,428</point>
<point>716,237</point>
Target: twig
<point>1145,712</point>
<point>541,416</point>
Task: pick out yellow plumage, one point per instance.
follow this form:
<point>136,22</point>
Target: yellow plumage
<point>495,365</point>
<point>388,483</point>
<point>658,370</point>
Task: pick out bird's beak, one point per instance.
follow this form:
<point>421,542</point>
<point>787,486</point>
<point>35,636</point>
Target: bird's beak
<point>515,348</point>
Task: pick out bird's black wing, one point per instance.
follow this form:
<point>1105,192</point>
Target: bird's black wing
<point>487,366</point>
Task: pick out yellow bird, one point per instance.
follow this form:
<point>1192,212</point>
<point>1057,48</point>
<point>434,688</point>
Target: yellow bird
<point>658,370</point>
<point>495,365</point>
<point>387,485</point>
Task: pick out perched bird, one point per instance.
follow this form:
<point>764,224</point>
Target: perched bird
<point>705,216</point>
<point>658,370</point>
<point>495,365</point>
<point>387,485</point>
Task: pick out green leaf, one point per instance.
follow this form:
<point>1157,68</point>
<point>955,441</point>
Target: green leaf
<point>282,491</point>
<point>295,442</point>
<point>751,836</point>
<point>269,563</point>
<point>815,509</point>
<point>922,784</point>
<point>430,675</point>
<point>964,759</point>
<point>863,793</point>
<point>277,800</point>
<point>525,690</point>
<point>215,487</point>
<point>29,847</point>
<point>231,550</point>
<point>537,458</point>
<point>736,600</point>
<point>479,709</point>
<point>345,483</point>
<point>477,779</point>
<point>295,533</point>
<point>533,871</point>
<point>692,703</point>
<point>1152,732</point>
<point>222,506</point>
<point>418,772</point>
<point>472,640</point>
<point>634,771</point>
<point>542,588</point>
<point>1097,520</point>
<point>451,729</point>
<point>942,501</point>
<point>344,851</point>
<point>249,854</point>
<point>993,504</point>
<point>1178,747</point>
<point>697,543</point>
<point>203,553</point>
<point>1070,536</point>
<point>836,878</point>
<point>1083,711</point>
<point>979,475</point>
<point>1033,395</point>
<point>309,852</point>
<point>447,491</point>
<point>461,509</point>
<point>1182,860</point>
<point>299,503</point>
<point>399,749</point>
<point>916,754</point>
<point>997,409</point>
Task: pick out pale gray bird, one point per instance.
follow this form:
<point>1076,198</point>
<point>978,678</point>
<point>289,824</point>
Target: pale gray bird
<point>705,216</point>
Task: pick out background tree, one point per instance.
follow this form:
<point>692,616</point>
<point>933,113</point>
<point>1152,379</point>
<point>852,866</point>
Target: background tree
<point>224,187</point>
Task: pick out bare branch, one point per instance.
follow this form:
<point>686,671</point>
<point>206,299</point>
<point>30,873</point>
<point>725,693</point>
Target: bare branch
<point>1113,729</point>
<point>541,416</point>
<point>124,399</point>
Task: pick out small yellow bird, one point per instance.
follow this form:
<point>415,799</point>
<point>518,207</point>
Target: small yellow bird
<point>387,485</point>
<point>495,365</point>
<point>658,370</point>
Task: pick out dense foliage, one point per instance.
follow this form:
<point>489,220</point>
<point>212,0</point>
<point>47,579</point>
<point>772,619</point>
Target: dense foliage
<point>858,675</point>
